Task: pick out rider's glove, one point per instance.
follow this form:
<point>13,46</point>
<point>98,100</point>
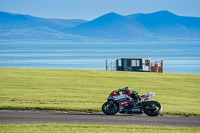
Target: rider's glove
<point>139,101</point>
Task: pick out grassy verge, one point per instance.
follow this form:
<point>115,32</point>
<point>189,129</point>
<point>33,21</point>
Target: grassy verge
<point>87,90</point>
<point>63,128</point>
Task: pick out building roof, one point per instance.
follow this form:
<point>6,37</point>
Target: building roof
<point>136,58</point>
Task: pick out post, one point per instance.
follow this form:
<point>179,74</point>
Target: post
<point>106,65</point>
<point>111,66</point>
<point>161,66</point>
<point>150,66</point>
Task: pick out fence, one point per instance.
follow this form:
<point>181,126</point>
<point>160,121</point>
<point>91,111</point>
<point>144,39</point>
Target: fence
<point>111,65</point>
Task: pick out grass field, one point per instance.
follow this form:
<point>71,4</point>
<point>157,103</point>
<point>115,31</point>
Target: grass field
<point>87,90</point>
<point>62,128</point>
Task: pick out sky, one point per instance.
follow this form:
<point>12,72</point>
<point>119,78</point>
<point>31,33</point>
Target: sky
<point>91,9</point>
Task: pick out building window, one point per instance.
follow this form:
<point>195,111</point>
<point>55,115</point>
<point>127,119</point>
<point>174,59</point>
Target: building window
<point>135,63</point>
<point>129,63</point>
<point>119,63</point>
<point>124,63</point>
<point>147,62</point>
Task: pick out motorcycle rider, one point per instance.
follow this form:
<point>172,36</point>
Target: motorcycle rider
<point>133,94</point>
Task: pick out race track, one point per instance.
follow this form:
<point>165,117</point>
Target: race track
<point>36,117</point>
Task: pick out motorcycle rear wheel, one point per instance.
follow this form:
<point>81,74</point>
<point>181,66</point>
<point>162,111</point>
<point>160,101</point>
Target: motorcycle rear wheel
<point>154,109</point>
<point>110,108</point>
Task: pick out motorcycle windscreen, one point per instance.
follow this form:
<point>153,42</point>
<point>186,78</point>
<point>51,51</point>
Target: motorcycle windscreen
<point>148,96</point>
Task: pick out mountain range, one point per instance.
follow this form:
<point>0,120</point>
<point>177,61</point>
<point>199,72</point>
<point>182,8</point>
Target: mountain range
<point>157,26</point>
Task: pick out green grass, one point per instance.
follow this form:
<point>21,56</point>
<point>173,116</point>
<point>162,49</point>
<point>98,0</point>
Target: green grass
<point>63,128</point>
<point>87,90</point>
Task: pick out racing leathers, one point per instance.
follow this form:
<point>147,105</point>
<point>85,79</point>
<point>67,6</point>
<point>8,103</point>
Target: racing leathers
<point>133,94</point>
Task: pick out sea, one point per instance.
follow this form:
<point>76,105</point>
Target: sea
<point>177,57</point>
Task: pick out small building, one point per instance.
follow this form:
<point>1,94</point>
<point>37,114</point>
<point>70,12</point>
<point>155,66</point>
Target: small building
<point>137,65</point>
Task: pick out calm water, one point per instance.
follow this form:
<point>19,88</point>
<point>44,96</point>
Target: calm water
<point>178,57</point>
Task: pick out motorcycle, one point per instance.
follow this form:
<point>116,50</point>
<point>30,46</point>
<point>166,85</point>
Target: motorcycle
<point>123,103</point>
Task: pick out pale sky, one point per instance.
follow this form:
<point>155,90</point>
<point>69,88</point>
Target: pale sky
<point>91,9</point>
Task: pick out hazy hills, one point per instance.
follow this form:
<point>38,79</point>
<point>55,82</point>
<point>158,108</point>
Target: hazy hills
<point>28,28</point>
<point>158,26</point>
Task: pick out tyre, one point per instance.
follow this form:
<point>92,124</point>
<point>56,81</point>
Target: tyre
<point>110,108</point>
<point>154,109</point>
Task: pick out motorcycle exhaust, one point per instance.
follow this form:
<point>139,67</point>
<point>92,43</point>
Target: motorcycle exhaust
<point>136,110</point>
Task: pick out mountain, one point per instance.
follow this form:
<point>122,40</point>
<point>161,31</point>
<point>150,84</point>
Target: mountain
<point>23,21</point>
<point>26,27</point>
<point>109,26</point>
<point>157,26</point>
<point>164,23</point>
<point>160,25</point>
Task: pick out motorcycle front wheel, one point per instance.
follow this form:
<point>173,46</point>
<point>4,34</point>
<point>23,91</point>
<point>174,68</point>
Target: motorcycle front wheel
<point>110,108</point>
<point>154,109</point>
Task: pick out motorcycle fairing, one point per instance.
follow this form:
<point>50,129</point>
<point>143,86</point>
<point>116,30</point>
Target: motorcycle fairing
<point>148,96</point>
<point>124,103</point>
<point>118,97</point>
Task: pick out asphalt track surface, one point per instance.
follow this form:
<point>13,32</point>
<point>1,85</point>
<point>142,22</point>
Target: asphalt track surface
<point>37,117</point>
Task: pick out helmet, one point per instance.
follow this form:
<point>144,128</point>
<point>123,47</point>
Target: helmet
<point>126,88</point>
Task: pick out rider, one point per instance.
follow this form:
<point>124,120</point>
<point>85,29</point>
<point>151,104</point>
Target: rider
<point>134,94</point>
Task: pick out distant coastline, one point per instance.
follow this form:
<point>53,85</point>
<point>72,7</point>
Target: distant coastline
<point>100,42</point>
<point>161,26</point>
<point>178,57</point>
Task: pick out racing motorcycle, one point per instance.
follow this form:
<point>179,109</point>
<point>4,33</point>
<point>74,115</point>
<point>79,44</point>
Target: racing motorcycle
<point>123,103</point>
